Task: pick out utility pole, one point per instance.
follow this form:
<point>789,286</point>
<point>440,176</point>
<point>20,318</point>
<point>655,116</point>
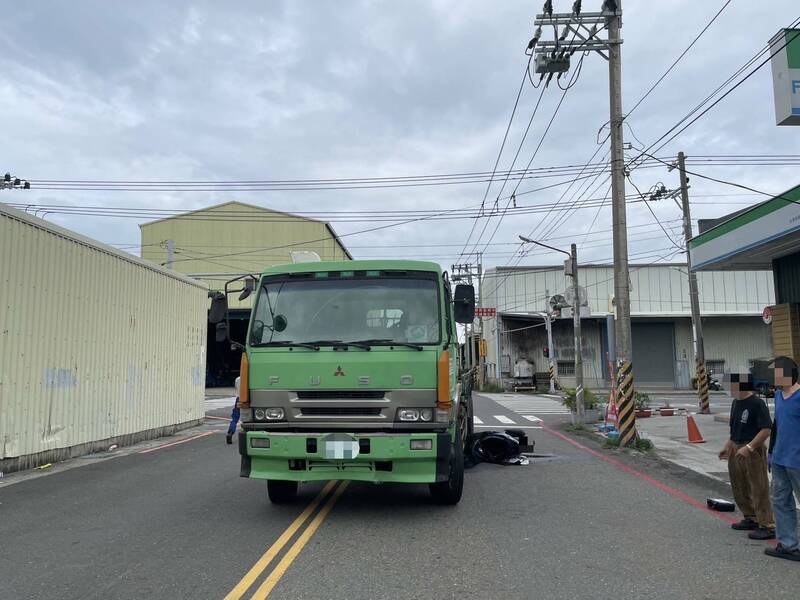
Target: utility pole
<point>571,269</point>
<point>694,296</point>
<point>481,357</point>
<point>554,57</point>
<point>576,322</point>
<point>466,272</point>
<point>170,253</point>
<point>622,299</point>
<point>548,323</point>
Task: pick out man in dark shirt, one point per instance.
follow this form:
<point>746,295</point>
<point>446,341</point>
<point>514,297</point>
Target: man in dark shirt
<point>747,463</point>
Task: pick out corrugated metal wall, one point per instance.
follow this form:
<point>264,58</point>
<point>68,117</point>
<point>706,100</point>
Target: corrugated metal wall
<point>252,236</point>
<point>736,341</point>
<point>94,343</point>
<point>658,290</point>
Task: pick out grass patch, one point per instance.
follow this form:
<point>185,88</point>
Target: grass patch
<point>641,444</point>
<point>576,428</point>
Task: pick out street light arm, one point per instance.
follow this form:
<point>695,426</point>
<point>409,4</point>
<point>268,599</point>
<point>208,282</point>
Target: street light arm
<point>529,241</point>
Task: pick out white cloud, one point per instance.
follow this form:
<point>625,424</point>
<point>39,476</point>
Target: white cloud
<point>375,88</point>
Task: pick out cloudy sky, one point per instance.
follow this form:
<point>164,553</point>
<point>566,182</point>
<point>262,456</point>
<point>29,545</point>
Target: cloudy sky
<point>373,88</point>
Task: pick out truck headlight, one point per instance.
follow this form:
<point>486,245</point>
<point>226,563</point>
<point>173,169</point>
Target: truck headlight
<point>408,414</point>
<point>426,414</point>
<point>268,414</point>
<point>273,414</point>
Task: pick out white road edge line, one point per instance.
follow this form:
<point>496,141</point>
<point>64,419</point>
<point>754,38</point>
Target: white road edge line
<point>477,421</point>
<point>532,418</point>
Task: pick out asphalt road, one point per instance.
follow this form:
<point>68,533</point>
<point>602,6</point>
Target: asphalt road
<point>178,522</point>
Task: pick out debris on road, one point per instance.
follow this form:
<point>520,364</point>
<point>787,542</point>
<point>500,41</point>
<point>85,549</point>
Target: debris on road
<point>498,447</point>
<point>720,505</point>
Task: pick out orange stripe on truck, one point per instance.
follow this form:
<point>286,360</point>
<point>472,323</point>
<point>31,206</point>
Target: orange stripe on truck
<point>244,382</point>
<point>443,400</point>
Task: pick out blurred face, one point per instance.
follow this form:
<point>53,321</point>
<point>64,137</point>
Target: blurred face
<point>735,390</point>
<point>782,379</point>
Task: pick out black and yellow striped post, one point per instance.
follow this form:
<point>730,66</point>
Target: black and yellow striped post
<point>553,382</point>
<point>626,407</point>
<point>702,387</point>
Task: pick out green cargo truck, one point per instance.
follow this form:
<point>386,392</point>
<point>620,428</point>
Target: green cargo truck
<point>350,371</point>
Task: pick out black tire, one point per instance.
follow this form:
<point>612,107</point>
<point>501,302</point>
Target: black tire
<point>281,492</point>
<point>449,492</point>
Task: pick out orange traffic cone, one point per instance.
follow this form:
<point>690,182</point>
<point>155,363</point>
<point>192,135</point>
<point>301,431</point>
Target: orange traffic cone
<point>694,432</point>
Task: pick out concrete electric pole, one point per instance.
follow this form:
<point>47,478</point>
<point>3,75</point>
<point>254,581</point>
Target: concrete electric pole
<point>554,57</point>
<point>694,296</point>
<point>576,323</point>
<point>571,269</point>
<point>467,272</point>
<point>170,253</point>
<point>622,299</point>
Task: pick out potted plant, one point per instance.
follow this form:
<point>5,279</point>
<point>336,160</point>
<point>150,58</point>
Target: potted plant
<point>591,403</point>
<point>666,410</point>
<point>642,404</point>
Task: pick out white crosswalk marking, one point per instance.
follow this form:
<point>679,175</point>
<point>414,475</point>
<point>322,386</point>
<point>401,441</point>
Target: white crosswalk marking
<point>504,419</point>
<point>530,408</point>
<point>477,421</point>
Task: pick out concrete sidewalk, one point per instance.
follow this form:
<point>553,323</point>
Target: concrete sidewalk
<point>670,437</point>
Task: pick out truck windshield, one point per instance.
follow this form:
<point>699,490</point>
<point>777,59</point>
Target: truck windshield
<point>382,310</point>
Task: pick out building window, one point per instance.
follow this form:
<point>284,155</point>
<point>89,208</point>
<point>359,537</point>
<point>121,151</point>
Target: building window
<point>566,367</point>
<point>715,366</point>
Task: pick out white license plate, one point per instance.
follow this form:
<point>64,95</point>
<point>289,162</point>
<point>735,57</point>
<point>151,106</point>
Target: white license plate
<point>340,448</point>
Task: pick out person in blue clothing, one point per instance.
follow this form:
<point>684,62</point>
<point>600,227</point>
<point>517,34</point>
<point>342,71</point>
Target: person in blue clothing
<point>784,458</point>
<point>234,416</point>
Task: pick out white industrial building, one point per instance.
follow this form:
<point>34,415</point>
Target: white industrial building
<point>97,346</point>
<point>731,304</point>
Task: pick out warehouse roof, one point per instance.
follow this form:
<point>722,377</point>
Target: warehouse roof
<point>327,225</point>
<point>63,232</point>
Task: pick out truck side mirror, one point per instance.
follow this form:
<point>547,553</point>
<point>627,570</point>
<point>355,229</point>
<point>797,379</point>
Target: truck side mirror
<point>219,307</point>
<point>464,304</point>
<point>249,286</point>
<point>221,332</point>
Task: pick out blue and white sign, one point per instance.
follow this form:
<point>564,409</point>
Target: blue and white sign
<point>785,59</point>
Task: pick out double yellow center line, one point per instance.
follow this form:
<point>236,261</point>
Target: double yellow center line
<point>275,575</point>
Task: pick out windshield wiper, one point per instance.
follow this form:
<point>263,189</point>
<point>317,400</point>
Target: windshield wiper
<point>363,345</point>
<point>289,344</point>
<point>388,341</point>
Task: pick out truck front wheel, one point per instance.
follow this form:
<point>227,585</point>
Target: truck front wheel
<point>449,492</point>
<point>281,492</point>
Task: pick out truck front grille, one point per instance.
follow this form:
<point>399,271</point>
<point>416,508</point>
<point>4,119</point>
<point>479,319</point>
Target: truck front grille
<point>338,411</point>
<point>340,395</point>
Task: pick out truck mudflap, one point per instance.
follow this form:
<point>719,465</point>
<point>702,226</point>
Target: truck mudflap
<point>381,457</point>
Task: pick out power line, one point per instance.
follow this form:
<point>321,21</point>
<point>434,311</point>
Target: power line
<point>678,59</point>
<point>500,152</point>
<point>513,162</point>
<point>767,49</point>
<point>652,212</point>
<point>512,198</point>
